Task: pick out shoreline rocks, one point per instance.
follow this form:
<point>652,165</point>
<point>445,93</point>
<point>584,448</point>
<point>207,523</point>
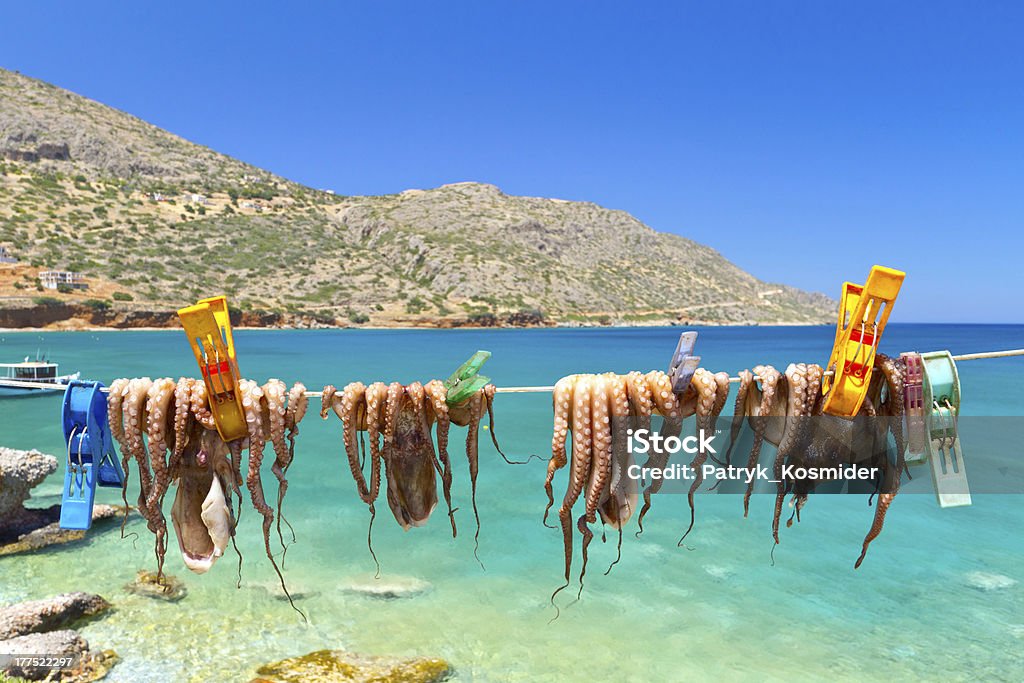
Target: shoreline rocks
<point>37,616</point>
<point>39,627</point>
<point>20,472</point>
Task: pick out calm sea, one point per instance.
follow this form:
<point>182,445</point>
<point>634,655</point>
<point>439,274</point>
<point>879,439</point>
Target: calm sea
<point>940,596</point>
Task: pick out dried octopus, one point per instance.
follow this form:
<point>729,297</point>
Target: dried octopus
<point>600,411</point>
<point>398,421</point>
<point>786,410</point>
<point>168,429</point>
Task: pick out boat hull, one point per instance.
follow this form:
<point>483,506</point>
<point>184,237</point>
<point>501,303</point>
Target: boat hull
<point>9,388</point>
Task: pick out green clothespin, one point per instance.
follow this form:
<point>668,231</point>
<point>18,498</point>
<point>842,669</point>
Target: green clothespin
<point>465,381</point>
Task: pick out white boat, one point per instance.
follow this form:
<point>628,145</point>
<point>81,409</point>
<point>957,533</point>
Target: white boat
<point>31,378</point>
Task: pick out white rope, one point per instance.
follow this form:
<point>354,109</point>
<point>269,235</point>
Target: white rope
<point>522,390</point>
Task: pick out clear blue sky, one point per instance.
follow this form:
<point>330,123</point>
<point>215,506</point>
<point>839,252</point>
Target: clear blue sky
<point>804,140</point>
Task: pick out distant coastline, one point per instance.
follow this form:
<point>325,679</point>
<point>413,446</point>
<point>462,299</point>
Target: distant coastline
<point>59,315</point>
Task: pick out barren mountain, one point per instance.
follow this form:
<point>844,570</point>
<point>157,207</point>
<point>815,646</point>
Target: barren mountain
<point>156,220</point>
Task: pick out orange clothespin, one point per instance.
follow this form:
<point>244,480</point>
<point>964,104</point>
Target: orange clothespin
<point>208,328</point>
<point>863,312</point>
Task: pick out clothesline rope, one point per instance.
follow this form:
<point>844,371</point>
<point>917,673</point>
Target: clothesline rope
<point>546,389</point>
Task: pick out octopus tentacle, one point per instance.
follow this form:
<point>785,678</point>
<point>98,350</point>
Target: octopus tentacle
<point>182,417</point>
<point>376,402</point>
<point>601,462</point>
<point>201,406</point>
<point>235,448</point>
<point>159,411</point>
<point>135,424</point>
<point>489,391</point>
<point>803,383</point>
<point>298,403</point>
<point>252,398</point>
<point>619,500</point>
<point>668,404</point>
<point>562,398</point>
<point>436,394</point>
<point>115,420</point>
<point>770,378</point>
<point>893,374</point>
<point>884,501</point>
<point>738,415</point>
<point>274,397</point>
<point>641,407</point>
<point>327,400</point>
<point>580,470</point>
<point>811,407</point>
<point>347,408</point>
<point>712,391</point>
<point>477,407</point>
<point>295,410</point>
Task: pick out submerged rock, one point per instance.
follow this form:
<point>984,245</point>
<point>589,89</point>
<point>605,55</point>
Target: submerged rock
<point>149,585</point>
<point>985,581</point>
<point>387,588</point>
<point>338,666</point>
<point>36,616</point>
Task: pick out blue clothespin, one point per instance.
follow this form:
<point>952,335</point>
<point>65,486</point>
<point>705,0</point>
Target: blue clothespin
<point>91,459</point>
<point>684,363</point>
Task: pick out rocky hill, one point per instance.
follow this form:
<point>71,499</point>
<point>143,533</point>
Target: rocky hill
<point>155,221</point>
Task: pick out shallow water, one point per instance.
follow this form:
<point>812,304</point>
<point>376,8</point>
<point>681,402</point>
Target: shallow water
<point>940,595</point>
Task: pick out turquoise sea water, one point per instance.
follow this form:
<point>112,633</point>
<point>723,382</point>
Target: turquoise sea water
<point>940,596</point>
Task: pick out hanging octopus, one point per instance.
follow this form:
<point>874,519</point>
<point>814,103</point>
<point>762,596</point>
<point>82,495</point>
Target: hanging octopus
<point>398,420</point>
<point>168,430</point>
<point>787,412</point>
<point>598,411</point>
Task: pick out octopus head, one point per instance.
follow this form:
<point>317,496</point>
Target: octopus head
<point>202,517</point>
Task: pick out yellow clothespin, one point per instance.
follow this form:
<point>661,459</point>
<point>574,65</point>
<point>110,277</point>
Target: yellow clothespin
<point>208,328</point>
<point>863,312</point>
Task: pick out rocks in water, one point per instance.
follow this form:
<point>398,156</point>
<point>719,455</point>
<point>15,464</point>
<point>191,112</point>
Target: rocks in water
<point>149,585</point>
<point>20,472</point>
<point>85,665</point>
<point>40,527</point>
<point>36,616</point>
<point>985,581</point>
<point>338,666</point>
<point>389,588</point>
<point>27,629</point>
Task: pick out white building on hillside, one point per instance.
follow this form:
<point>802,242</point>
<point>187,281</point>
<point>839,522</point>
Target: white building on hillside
<point>52,279</point>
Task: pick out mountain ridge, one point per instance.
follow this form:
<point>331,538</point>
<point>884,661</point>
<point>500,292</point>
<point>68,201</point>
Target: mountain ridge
<point>146,214</point>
